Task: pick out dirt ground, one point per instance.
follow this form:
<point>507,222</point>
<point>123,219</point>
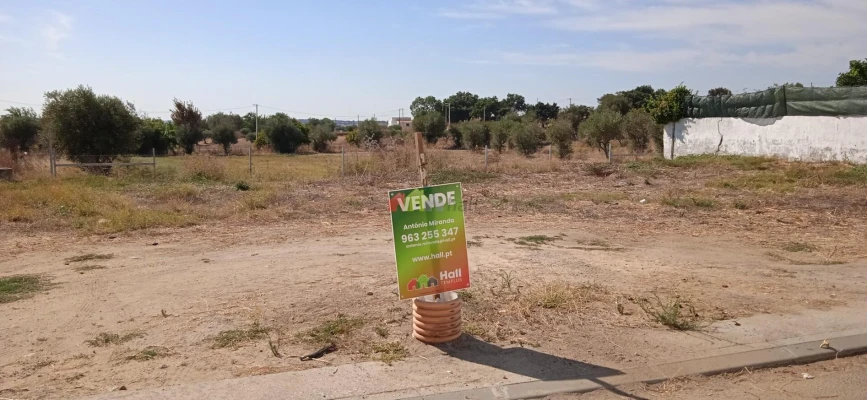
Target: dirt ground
<point>224,299</point>
<point>835,379</point>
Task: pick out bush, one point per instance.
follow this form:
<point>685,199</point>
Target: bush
<point>601,128</point>
<point>395,131</point>
<point>89,128</point>
<point>321,136</point>
<point>224,135</point>
<point>369,133</point>
<point>475,134</point>
<point>560,135</point>
<point>261,141</point>
<point>352,137</point>
<point>527,138</point>
<point>502,133</point>
<point>156,135</point>
<point>284,134</point>
<point>454,133</point>
<point>189,125</point>
<point>18,129</point>
<point>431,124</point>
<point>638,127</point>
<point>250,136</point>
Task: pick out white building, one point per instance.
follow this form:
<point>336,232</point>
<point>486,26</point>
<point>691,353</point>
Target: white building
<point>404,122</point>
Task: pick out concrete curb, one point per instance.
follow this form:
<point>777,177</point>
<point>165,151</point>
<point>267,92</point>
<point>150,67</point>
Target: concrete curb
<point>798,353</point>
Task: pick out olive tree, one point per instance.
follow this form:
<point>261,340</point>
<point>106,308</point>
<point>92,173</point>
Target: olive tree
<point>224,135</point>
<point>321,135</point>
<point>560,135</point>
<point>189,125</point>
<point>19,128</point>
<point>90,128</point>
<point>431,124</point>
<point>284,133</point>
<point>602,127</point>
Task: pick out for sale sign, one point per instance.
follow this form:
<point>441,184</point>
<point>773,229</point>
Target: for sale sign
<point>430,244</point>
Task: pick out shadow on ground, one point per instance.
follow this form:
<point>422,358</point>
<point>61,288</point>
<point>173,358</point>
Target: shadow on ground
<point>529,363</point>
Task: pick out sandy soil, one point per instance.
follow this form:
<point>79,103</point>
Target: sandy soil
<point>179,288</point>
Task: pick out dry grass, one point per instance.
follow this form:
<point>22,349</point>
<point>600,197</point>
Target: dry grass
<point>84,268</point>
<point>108,339</point>
<point>150,353</point>
<point>332,331</point>
<point>88,257</point>
<point>389,352</point>
<point>674,313</point>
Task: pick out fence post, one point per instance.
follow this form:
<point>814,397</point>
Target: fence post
<point>342,162</point>
<point>486,157</point>
<point>51,156</point>
<point>250,154</point>
<point>610,157</point>
<point>550,146</point>
<point>154,160</point>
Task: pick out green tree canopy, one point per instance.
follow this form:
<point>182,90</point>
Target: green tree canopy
<point>602,127</point>
<point>431,124</point>
<point>487,109</point>
<point>249,121</point>
<point>424,104</point>
<point>90,128</point>
<point>576,114</point>
<point>284,133</point>
<point>321,135</point>
<point>639,129</point>
<point>326,122</point>
<point>615,103</point>
<point>719,92</point>
<point>513,103</point>
<point>544,111</point>
<point>560,134</point>
<point>19,128</point>
<point>189,126</point>
<point>370,132</point>
<point>855,76</point>
<point>637,97</point>
<point>233,121</point>
<point>461,105</point>
<point>156,135</point>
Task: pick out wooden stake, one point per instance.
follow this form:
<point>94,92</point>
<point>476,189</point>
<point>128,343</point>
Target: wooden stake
<point>422,161</point>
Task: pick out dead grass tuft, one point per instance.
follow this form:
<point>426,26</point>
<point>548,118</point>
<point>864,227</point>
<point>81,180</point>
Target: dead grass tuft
<point>108,339</point>
<point>84,268</point>
<point>389,352</point>
<point>331,331</point>
<point>796,247</point>
<point>89,257</point>
<point>150,353</point>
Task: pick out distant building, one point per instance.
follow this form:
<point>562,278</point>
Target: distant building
<point>405,123</point>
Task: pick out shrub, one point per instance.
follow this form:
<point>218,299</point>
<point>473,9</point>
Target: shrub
<point>601,128</point>
<point>321,136</point>
<point>156,135</point>
<point>224,135</point>
<point>475,134</point>
<point>369,132</point>
<point>352,137</point>
<point>667,108</point>
<point>250,136</point>
<point>431,124</point>
<point>639,128</point>
<point>502,133</point>
<point>454,133</point>
<point>189,126</point>
<point>395,130</point>
<point>527,138</point>
<point>560,135</point>
<point>261,141</point>
<point>284,134</point>
<point>91,128</point>
<point>18,129</point>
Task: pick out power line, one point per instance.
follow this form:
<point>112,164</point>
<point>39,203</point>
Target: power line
<point>18,102</point>
<point>212,110</point>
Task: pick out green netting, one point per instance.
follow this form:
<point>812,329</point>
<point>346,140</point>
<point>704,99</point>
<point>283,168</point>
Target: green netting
<point>780,102</point>
<point>826,101</point>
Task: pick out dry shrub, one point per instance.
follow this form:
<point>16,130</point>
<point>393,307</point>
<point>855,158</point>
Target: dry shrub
<point>205,168</point>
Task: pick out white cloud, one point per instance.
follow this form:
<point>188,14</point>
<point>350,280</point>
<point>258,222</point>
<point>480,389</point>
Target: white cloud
<point>671,33</point>
<point>58,28</point>
<point>496,9</point>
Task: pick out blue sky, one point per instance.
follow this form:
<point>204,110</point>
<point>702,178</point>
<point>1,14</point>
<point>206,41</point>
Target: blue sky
<point>344,58</point>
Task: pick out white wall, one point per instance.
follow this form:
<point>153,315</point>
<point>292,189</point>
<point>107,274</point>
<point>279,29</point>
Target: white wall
<point>794,138</point>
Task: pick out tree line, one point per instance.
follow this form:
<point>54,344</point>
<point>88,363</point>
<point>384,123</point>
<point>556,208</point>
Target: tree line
<point>88,127</point>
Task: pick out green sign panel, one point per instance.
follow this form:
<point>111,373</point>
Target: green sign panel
<point>430,244</point>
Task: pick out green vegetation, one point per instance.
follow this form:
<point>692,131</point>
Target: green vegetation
<point>19,129</point>
<point>150,353</point>
<point>431,124</point>
<point>449,175</point>
<point>331,331</point>
<point>236,337</point>
<point>390,352</point>
<point>671,314</point>
<point>560,134</point>
<point>19,287</point>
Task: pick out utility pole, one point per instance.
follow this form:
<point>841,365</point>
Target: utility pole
<point>484,112</point>
<point>257,120</point>
<point>570,102</point>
